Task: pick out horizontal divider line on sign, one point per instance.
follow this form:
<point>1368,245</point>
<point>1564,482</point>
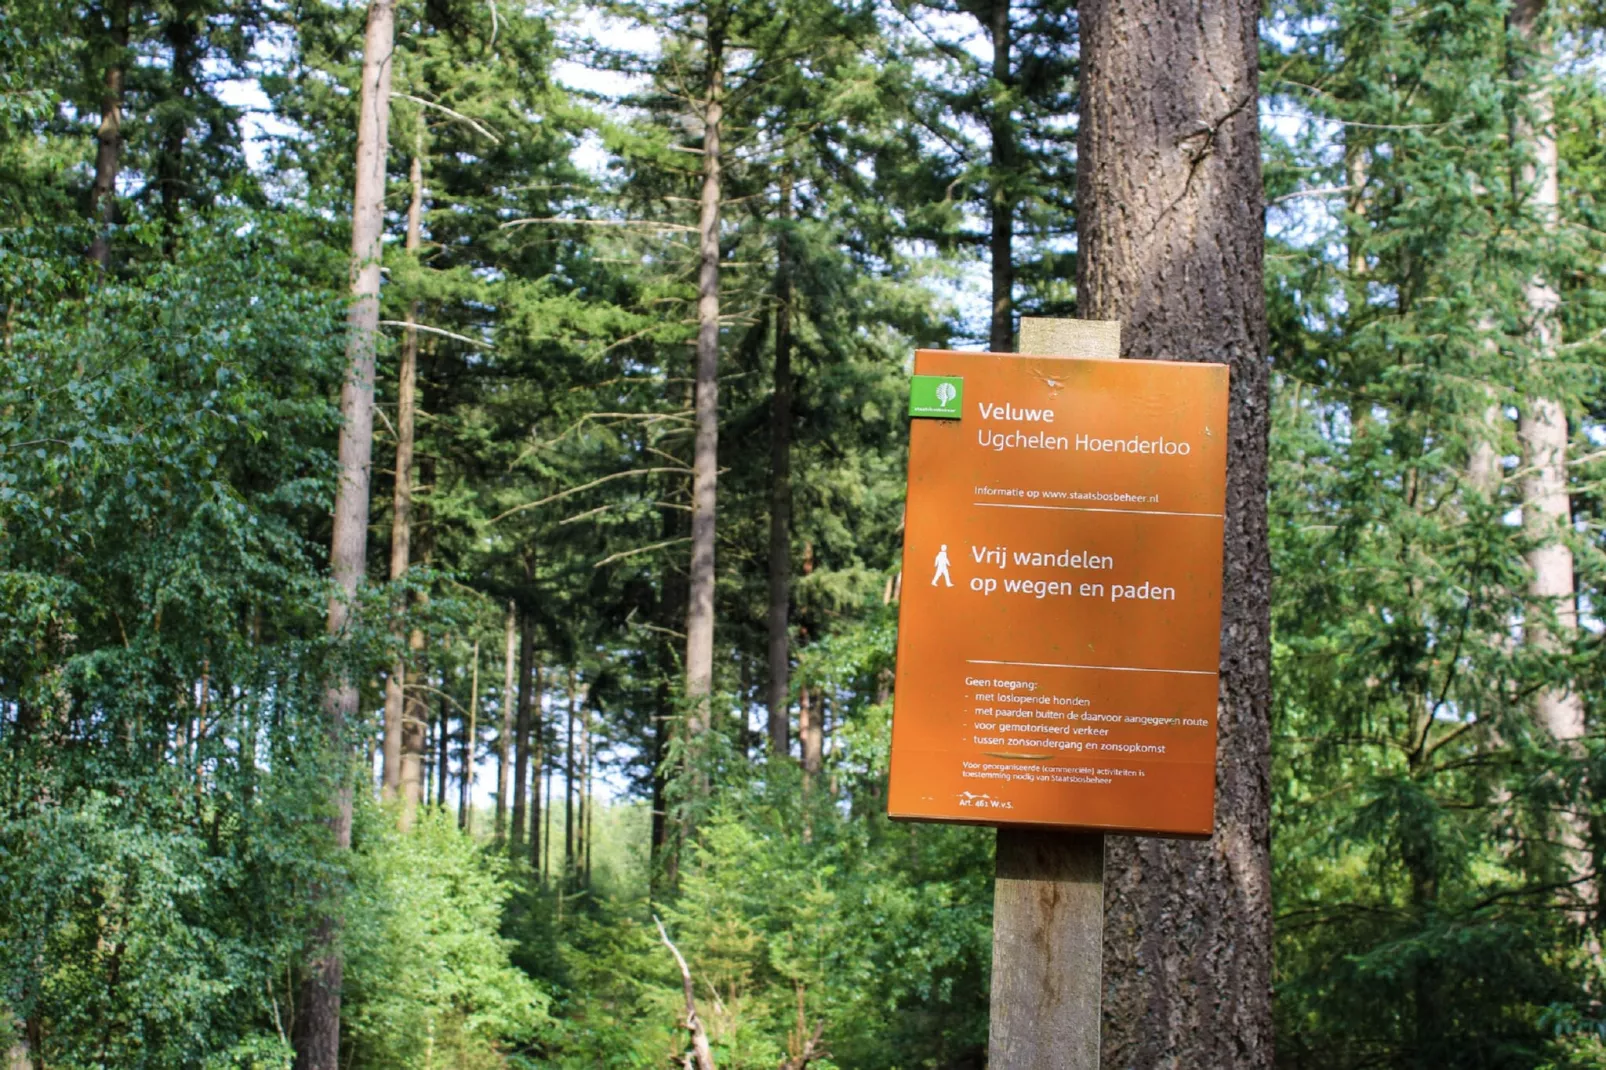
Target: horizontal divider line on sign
<point>1110,668</point>
<point>1091,509</point>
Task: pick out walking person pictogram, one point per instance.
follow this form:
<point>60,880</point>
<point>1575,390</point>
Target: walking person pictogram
<point>942,567</point>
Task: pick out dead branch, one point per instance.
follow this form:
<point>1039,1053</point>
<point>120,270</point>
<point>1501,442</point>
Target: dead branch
<point>804,1051</point>
<point>434,330</point>
<point>561,221</point>
<point>584,486</point>
<point>454,114</point>
<point>622,554</point>
<point>616,505</point>
<point>694,1024</point>
<point>812,1050</point>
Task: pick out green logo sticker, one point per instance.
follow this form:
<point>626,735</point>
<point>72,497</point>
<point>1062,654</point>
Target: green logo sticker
<point>941,396</point>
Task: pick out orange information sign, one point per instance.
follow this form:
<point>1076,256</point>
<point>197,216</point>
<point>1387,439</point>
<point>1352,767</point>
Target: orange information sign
<point>1059,629</point>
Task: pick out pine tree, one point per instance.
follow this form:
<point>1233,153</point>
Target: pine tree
<point>318,1046</point>
<point>1170,243</point>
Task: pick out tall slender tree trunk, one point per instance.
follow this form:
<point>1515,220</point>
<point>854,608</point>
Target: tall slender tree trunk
<point>1431,1033</point>
<point>521,732</point>
<point>671,615</point>
<point>780,563</point>
<point>705,459</point>
<point>401,513</point>
<point>1001,128</point>
<point>318,1045</point>
<point>181,34</point>
<point>1483,457</point>
<point>1170,225</point>
<point>414,729</point>
<point>505,737</point>
<point>546,828</point>
<point>109,136</point>
<point>465,788</point>
<point>582,809</point>
<point>443,741</point>
<point>568,788</point>
<point>811,731</point>
<point>427,781</point>
<point>663,862</point>
<point>1547,505</point>
<point>588,798</point>
<point>538,746</point>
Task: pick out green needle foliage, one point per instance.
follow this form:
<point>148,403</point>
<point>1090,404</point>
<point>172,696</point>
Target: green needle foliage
<point>170,364</point>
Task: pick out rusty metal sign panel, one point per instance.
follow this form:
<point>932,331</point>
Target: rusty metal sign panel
<point>1059,627</point>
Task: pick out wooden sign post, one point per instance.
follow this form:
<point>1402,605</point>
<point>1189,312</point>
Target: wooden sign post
<point>1048,885</point>
<point>1057,675</point>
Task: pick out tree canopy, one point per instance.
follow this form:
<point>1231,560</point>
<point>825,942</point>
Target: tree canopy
<point>591,218</point>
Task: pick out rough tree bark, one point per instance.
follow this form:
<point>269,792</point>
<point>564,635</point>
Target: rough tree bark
<point>505,737</point>
<point>318,1042</point>
<point>401,513</point>
<point>1542,430</point>
<point>109,136</point>
<point>780,563</point>
<point>1170,226</point>
<point>705,453</point>
<point>1001,128</point>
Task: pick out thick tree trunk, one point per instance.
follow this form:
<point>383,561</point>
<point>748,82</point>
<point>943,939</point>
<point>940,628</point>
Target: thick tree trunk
<point>109,136</point>
<point>318,1043</point>
<point>505,737</point>
<point>471,728</point>
<point>780,563</point>
<point>1170,214</point>
<point>401,514</point>
<point>705,459</point>
<point>1001,336</point>
<point>1547,506</point>
<point>521,732</point>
